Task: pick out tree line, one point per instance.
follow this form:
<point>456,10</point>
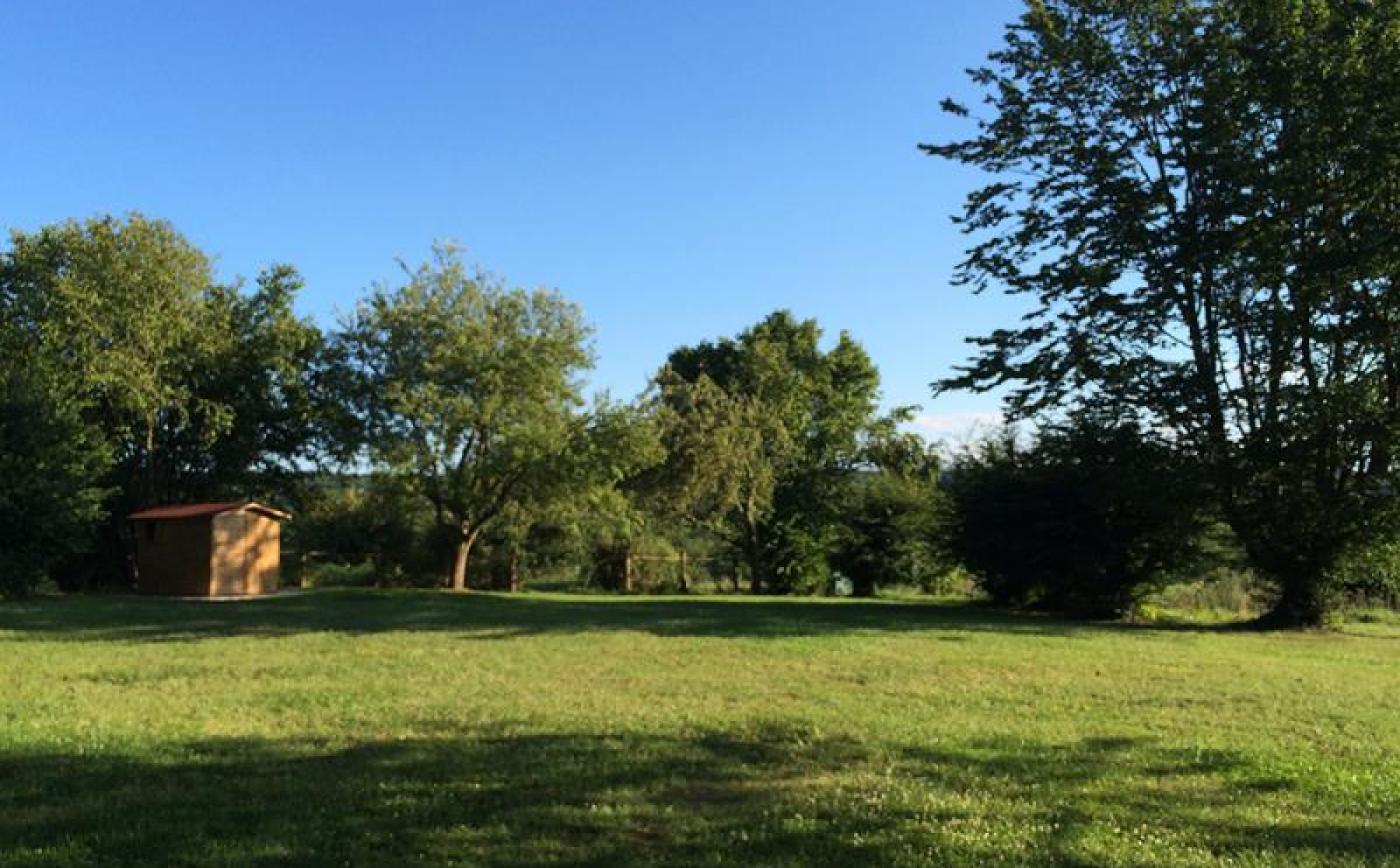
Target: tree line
<point>446,411</point>
<point>440,433</point>
<point>1198,202</point>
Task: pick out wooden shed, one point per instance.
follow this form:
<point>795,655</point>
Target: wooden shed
<point>208,549</point>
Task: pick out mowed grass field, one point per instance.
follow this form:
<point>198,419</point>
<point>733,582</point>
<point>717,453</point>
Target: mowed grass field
<point>364,728</point>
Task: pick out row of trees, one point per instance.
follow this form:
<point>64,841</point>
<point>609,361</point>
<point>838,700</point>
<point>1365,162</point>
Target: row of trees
<point>132,377</point>
<point>1198,201</point>
<point>441,430</point>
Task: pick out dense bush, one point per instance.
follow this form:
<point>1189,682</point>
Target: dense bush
<point>49,482</point>
<point>894,532</point>
<point>1370,576</point>
<point>795,553</point>
<point>330,574</point>
<point>354,521</point>
<point>1087,518</point>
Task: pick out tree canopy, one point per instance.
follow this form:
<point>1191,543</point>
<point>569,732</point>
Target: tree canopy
<point>154,382</point>
<point>469,388</point>
<point>1200,203</point>
<point>760,432</point>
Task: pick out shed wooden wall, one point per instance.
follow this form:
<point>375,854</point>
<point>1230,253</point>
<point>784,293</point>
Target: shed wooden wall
<point>176,561</point>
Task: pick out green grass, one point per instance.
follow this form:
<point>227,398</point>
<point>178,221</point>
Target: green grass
<point>361,727</point>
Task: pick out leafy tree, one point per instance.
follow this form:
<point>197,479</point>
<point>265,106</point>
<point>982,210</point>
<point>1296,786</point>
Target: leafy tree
<point>896,516</point>
<point>257,375</point>
<point>582,499</point>
<point>1199,201</point>
<point>466,387</point>
<point>761,431</point>
<point>1088,518</point>
<point>723,455</point>
<point>186,388</point>
<point>114,305</point>
<point>51,472</point>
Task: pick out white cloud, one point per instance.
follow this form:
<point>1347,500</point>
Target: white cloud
<point>956,423</point>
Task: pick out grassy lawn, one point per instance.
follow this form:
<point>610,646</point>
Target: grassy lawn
<point>355,728</point>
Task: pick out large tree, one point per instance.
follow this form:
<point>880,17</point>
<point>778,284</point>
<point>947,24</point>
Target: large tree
<point>187,388</point>
<point>52,471</point>
<point>114,306</point>
<point>583,496</point>
<point>761,432</point>
<point>258,375</point>
<point>467,387</point>
<point>1200,202</point>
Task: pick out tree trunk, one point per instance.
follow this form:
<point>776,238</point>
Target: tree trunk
<point>515,584</point>
<point>753,559</point>
<point>755,570</point>
<point>459,563</point>
<point>1303,602</point>
<point>1305,593</point>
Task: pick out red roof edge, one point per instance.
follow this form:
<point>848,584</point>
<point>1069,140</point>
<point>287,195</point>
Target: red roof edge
<point>196,510</point>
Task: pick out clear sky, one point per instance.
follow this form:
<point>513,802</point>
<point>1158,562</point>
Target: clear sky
<point>680,169</point>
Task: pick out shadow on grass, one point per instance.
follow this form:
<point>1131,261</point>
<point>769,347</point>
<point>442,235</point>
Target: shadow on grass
<point>502,616</point>
<point>771,796</point>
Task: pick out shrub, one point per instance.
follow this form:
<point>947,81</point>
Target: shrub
<point>372,521</point>
<point>795,556</point>
<point>1088,518</point>
<point>1370,576</point>
<point>330,574</point>
<point>893,532</point>
<point>50,494</point>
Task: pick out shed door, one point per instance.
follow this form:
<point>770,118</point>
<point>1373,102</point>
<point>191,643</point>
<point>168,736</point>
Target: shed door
<point>229,559</point>
<point>264,553</point>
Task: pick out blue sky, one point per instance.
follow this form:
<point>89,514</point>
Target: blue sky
<point>679,169</point>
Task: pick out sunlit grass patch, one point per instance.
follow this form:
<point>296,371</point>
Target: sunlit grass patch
<point>399,728</point>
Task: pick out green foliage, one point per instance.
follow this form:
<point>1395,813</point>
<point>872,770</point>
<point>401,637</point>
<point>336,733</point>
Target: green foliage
<point>115,306</point>
<point>1089,518</point>
<point>51,471</point>
<point>585,504</point>
<point>334,574</point>
<point>377,523</point>
<point>1370,575</point>
<point>761,433</point>
<point>607,566</point>
<point>895,516</point>
<point>1198,202</point>
<point>180,388</point>
<point>893,533</point>
<point>258,376</point>
<point>466,389</point>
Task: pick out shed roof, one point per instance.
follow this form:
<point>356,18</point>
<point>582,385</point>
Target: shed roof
<point>195,510</point>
